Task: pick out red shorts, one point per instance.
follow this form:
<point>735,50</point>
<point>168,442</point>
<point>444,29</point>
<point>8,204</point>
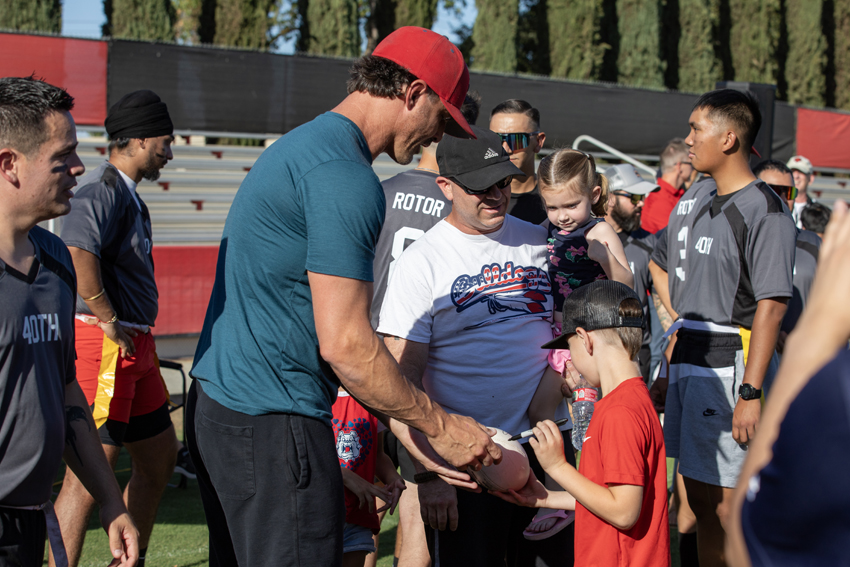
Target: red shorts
<point>118,388</point>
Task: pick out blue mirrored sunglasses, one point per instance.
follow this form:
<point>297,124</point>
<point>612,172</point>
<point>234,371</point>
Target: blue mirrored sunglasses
<point>517,140</point>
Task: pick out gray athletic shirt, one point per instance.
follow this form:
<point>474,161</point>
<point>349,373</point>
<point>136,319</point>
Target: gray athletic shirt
<point>36,363</point>
<point>106,221</point>
<point>671,249</point>
<point>415,203</point>
<point>738,254</point>
<point>638,247</point>
<point>805,265</point>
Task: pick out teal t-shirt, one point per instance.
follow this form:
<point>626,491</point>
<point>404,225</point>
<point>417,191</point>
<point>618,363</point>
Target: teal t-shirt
<point>310,203</point>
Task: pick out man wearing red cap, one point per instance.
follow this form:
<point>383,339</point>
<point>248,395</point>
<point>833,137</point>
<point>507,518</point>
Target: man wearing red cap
<point>288,320</point>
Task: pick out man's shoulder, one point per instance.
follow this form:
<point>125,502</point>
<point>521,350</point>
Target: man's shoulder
<point>411,180</point>
<point>51,244</point>
<point>810,237</point>
<point>758,199</point>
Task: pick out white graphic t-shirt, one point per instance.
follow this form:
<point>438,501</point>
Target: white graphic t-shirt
<point>483,304</point>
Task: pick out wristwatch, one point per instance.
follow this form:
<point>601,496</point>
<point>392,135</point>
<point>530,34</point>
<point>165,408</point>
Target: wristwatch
<point>423,477</point>
<point>748,392</point>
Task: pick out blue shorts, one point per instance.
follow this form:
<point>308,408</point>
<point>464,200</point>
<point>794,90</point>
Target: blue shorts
<point>357,538</point>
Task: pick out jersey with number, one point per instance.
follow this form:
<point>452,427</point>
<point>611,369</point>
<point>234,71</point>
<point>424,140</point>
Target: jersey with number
<point>671,249</point>
<point>638,247</point>
<point>415,203</point>
<point>36,363</point>
<point>107,221</point>
<point>740,251</point>
<point>805,265</point>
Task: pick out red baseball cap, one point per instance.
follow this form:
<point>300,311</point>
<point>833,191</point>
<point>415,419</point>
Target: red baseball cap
<point>435,60</point>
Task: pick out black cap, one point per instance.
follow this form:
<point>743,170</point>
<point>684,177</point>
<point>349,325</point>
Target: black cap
<point>140,114</point>
<point>476,164</point>
<point>595,306</point>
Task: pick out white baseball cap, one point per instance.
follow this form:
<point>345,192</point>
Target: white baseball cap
<point>625,177</point>
<point>800,164</point>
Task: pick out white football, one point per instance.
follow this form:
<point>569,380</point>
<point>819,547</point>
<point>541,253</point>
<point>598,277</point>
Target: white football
<point>511,473</point>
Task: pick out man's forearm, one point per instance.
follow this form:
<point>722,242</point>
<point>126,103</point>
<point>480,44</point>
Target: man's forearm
<point>661,285</point>
<point>90,283</point>
<point>765,331</point>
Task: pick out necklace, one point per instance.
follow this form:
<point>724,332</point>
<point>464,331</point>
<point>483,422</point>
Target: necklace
<point>428,169</point>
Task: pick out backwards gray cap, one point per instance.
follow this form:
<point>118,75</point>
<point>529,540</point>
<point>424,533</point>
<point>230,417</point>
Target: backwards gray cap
<point>625,177</point>
<point>595,306</point>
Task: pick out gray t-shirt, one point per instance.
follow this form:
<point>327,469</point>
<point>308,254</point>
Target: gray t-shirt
<point>671,248</point>
<point>106,221</point>
<point>36,363</point>
<point>805,265</point>
<point>415,203</point>
<point>638,247</point>
<point>740,250</point>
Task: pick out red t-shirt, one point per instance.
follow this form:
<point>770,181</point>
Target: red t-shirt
<point>356,435</point>
<point>624,444</point>
<point>658,206</point>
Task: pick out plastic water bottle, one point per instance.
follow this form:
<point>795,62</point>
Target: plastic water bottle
<point>584,398</point>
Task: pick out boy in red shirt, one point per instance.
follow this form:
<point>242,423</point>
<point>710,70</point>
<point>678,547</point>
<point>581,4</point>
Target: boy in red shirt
<point>619,492</point>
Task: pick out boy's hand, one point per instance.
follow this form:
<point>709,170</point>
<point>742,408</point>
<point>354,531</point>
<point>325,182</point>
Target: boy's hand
<point>571,379</point>
<point>532,495</point>
<point>394,488</point>
<point>548,444</point>
<point>364,490</point>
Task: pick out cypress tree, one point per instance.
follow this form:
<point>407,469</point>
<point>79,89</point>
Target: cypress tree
<point>241,23</point>
<point>494,35</point>
<point>842,54</point>
<point>415,13</point>
<point>333,28</point>
<point>533,38</point>
<point>385,16</point>
<point>639,60</point>
<point>186,26</point>
<point>576,50</point>
<point>755,39</point>
<point>699,64</point>
<point>32,15</point>
<point>142,19</point>
<point>804,70</point>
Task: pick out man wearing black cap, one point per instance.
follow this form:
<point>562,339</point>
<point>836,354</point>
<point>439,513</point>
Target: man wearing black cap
<point>108,232</point>
<point>467,308</point>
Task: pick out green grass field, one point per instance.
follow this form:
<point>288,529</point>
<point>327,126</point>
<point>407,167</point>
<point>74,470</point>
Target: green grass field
<point>180,537</point>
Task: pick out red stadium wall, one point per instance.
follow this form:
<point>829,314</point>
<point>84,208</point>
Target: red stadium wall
<point>824,137</point>
<point>184,276</point>
<point>77,65</point>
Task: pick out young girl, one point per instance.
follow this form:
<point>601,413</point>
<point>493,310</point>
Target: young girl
<point>583,248</point>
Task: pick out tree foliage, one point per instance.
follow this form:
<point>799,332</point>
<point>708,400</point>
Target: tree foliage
<point>576,49</point>
<point>333,28</point>
<point>533,38</point>
<point>382,17</point>
<point>494,35</point>
<point>639,55</point>
<point>140,19</point>
<point>841,22</point>
<point>699,65</point>
<point>755,40</point>
<point>804,70</point>
<point>32,15</point>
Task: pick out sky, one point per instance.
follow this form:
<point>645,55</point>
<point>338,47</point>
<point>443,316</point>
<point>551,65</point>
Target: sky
<point>83,18</point>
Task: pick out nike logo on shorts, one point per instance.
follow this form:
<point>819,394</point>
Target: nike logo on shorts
<point>709,412</point>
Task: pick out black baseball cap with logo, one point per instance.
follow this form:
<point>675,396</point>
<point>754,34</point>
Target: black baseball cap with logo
<point>595,306</point>
<point>477,164</point>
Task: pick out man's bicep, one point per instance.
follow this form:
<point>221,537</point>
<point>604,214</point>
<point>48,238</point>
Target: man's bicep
<point>771,257</point>
<point>412,357</point>
<point>338,302</point>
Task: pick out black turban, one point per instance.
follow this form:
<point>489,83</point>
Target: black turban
<point>140,114</point>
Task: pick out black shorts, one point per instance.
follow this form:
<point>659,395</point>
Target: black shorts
<point>141,427</point>
<point>22,537</point>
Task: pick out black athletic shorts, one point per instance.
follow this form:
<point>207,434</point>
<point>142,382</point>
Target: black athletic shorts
<point>141,427</point>
<point>22,537</point>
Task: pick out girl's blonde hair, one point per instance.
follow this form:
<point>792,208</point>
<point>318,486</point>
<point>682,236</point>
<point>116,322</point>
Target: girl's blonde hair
<point>567,166</point>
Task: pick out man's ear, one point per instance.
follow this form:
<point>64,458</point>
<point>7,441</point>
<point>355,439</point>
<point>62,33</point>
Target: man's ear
<point>730,141</point>
<point>446,187</point>
<point>9,161</point>
<point>541,137</point>
<point>586,340</point>
<point>414,93</point>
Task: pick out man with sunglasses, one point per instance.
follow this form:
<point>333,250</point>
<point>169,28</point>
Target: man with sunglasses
<point>676,170</point>
<point>803,173</point>
<point>467,308</point>
<point>627,195</point>
<point>779,178</point>
<point>518,124</point>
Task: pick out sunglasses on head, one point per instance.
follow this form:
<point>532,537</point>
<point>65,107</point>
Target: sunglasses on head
<point>787,192</point>
<point>635,199</point>
<point>499,185</point>
<point>517,140</point>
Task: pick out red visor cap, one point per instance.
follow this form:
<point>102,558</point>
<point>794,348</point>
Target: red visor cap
<point>435,60</point>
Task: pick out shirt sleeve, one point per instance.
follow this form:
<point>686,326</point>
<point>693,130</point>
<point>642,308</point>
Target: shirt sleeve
<point>95,213</point>
<point>770,256</point>
<point>344,209</point>
<point>407,311</point>
<point>626,439</point>
<point>659,253</point>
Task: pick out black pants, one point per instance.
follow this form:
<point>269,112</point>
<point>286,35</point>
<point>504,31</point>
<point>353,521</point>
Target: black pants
<point>489,531</point>
<point>22,537</point>
<point>271,485</point>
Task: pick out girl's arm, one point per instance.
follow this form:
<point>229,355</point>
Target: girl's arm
<point>604,246</point>
<point>384,470</point>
